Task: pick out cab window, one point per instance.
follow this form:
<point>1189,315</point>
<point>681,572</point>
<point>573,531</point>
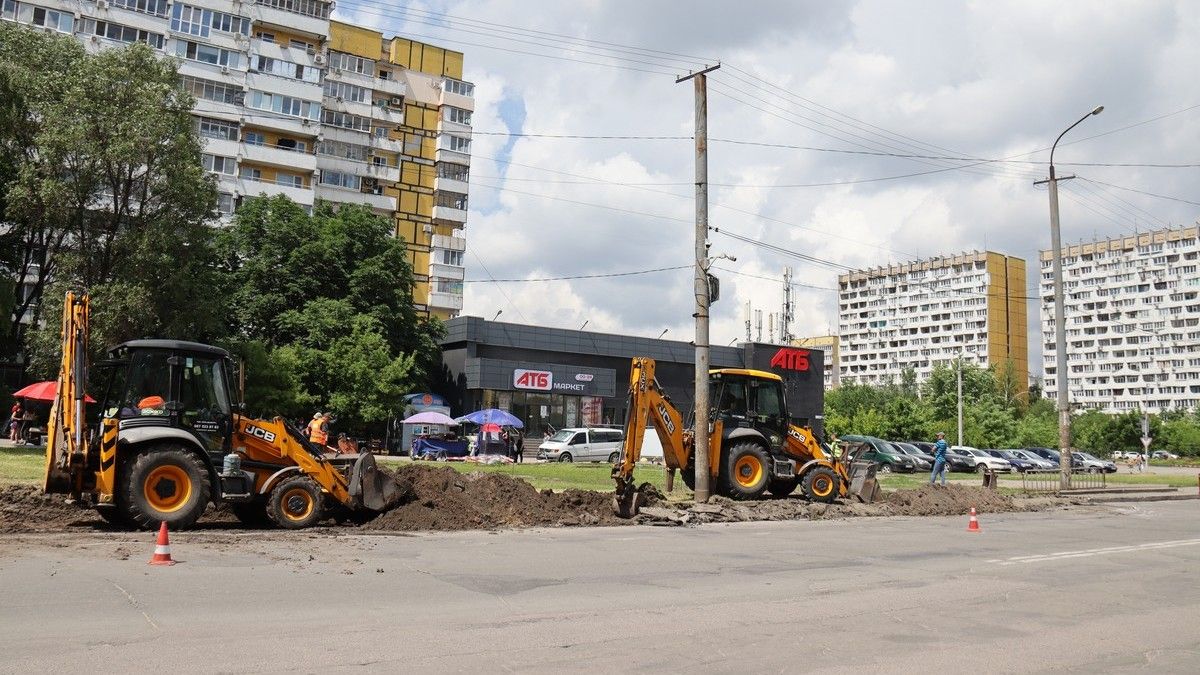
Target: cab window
<point>766,399</point>
<point>149,384</point>
<point>733,399</point>
<point>202,391</point>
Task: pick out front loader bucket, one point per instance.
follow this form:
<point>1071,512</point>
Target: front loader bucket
<point>863,486</point>
<point>369,487</point>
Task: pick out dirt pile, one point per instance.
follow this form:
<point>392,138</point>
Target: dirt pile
<point>440,498</point>
<point>23,508</point>
<point>929,500</point>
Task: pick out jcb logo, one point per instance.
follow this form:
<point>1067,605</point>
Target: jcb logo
<point>539,380</point>
<point>267,436</point>
<point>797,434</point>
<point>790,359</point>
<point>666,419</point>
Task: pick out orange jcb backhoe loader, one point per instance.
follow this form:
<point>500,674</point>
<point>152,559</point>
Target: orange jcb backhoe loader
<point>753,446</point>
<point>164,440</point>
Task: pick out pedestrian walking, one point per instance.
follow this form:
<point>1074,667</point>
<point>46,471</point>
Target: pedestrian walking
<point>939,459</point>
<point>14,422</point>
<point>519,440</point>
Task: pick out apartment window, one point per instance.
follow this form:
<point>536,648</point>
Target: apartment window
<point>452,258</point>
<point>59,21</point>
<point>225,203</point>
<point>285,105</point>
<point>288,69</point>
<point>342,150</point>
<point>155,7</point>
<point>459,87</point>
<point>191,20</point>
<point>219,164</point>
<point>347,121</point>
<point>212,91</point>
<point>452,171</point>
<point>250,173</point>
<point>228,23</point>
<point>452,200</point>
<point>351,63</point>
<point>314,8</point>
<point>8,10</point>
<point>203,53</point>
<point>255,138</point>
<point>291,179</point>
<point>291,144</point>
<point>346,92</point>
<point>340,179</point>
<point>213,128</point>
<point>458,143</point>
<point>456,115</point>
<point>265,36</point>
<point>450,286</point>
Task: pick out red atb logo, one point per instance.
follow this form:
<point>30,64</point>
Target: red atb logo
<point>790,359</point>
<point>539,380</point>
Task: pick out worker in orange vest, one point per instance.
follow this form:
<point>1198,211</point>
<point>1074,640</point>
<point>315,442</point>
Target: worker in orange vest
<point>318,429</point>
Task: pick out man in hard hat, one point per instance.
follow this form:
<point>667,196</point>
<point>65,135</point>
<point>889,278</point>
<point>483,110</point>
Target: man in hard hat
<point>318,429</point>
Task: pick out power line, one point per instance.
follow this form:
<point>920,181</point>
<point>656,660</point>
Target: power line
<point>1141,192</point>
<point>498,286</point>
<point>579,276</point>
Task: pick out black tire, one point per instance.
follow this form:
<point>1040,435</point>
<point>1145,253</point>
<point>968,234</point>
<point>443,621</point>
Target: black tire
<point>566,457</point>
<point>613,458</point>
<point>178,480</point>
<point>252,513</point>
<point>113,516</point>
<point>782,487</point>
<point>296,503</point>
<point>746,471</point>
<point>981,468</point>
<point>821,484</point>
<point>885,468</point>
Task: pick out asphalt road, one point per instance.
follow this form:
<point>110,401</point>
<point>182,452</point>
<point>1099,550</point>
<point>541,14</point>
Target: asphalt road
<point>1090,589</point>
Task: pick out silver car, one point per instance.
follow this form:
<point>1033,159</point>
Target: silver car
<point>582,445</point>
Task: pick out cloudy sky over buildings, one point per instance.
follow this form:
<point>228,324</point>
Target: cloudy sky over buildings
<point>812,104</point>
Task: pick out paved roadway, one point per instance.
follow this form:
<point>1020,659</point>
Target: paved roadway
<point>1091,589</point>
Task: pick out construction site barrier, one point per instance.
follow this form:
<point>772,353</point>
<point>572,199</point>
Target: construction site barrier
<point>1050,480</point>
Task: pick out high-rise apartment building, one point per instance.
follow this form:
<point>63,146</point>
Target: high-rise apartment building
<point>289,102</point>
<point>1132,310</point>
<point>923,314</point>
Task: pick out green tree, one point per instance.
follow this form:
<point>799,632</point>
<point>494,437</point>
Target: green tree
<point>940,391</point>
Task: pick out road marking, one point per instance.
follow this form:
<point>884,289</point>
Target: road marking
<point>1065,555</point>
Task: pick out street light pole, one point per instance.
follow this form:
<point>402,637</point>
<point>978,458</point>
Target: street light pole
<point>1061,368</point>
<point>960,438</point>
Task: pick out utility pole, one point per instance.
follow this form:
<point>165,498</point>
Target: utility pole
<point>1062,374</point>
<point>700,435</point>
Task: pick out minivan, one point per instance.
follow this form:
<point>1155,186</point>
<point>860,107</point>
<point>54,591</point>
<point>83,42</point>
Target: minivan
<point>582,445</point>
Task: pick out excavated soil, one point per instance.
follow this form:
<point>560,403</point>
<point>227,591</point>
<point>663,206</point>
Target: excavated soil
<point>440,498</point>
<point>24,508</point>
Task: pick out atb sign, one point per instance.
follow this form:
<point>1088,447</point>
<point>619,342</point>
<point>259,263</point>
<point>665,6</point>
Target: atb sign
<point>537,380</point>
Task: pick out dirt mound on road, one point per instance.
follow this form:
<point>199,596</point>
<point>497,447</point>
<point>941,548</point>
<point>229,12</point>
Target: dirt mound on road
<point>440,498</point>
<point>954,500</point>
<point>23,508</point>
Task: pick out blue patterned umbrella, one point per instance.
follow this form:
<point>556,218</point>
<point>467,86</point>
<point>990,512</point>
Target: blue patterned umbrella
<point>493,416</point>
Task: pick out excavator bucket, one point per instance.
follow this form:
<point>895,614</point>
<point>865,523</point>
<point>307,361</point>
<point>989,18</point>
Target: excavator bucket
<point>628,499</point>
<point>371,488</point>
<point>863,486</point>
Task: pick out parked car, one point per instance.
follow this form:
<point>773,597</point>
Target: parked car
<point>1163,454</point>
<point>1019,462</point>
<point>923,462</point>
<point>582,445</point>
<point>1051,455</point>
<point>956,461</point>
<point>871,449</point>
<point>1092,464</point>
<point>984,461</point>
<point>1038,462</point>
<point>1126,454</point>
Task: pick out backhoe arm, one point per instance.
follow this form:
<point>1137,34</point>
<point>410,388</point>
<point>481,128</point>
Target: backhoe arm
<point>66,437</point>
<point>647,404</point>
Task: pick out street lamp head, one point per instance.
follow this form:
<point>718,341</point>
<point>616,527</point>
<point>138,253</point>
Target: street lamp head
<point>1099,109</point>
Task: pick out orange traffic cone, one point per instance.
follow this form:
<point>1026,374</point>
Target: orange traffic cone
<point>162,548</point>
<point>973,524</point>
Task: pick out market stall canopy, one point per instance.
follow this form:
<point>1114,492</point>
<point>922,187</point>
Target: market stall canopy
<point>493,416</point>
<point>44,391</point>
<point>430,417</point>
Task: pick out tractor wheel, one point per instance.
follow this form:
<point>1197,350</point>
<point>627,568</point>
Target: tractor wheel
<point>165,484</point>
<point>745,470</point>
<point>820,484</point>
<point>782,487</point>
<point>252,513</point>
<point>296,503</point>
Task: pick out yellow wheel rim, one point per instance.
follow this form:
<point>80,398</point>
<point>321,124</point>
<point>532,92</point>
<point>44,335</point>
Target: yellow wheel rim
<point>822,485</point>
<point>297,504</point>
<point>167,488</point>
<point>748,471</point>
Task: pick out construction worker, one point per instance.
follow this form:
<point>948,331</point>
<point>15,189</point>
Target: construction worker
<point>318,429</point>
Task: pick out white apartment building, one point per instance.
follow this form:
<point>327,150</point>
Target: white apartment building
<point>289,102</point>
<point>923,314</point>
<point>1132,309</point>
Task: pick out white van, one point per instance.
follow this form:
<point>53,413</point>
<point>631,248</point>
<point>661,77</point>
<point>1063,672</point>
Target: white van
<point>582,445</point>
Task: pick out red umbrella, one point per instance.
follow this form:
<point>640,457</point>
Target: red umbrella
<point>44,391</point>
<point>490,428</point>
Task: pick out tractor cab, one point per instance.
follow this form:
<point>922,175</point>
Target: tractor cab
<point>183,386</point>
<point>749,402</point>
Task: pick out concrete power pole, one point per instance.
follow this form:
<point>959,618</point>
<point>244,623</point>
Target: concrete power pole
<point>700,435</point>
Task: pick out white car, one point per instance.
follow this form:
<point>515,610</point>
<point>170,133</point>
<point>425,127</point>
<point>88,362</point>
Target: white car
<point>983,461</point>
<point>1038,462</point>
<point>582,445</point>
<point>1163,454</point>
